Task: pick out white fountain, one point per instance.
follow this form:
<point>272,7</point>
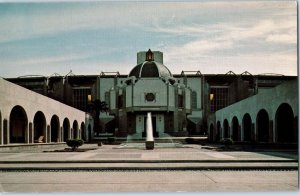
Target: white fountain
<point>149,130</point>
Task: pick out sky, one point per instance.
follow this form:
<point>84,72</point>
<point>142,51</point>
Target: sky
<point>213,37</point>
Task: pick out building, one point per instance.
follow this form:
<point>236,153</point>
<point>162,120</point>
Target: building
<point>185,104</point>
<point>175,103</point>
<point>27,117</point>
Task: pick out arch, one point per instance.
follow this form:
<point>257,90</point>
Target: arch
<point>75,129</point>
<point>66,129</point>
<point>226,128</point>
<point>247,122</point>
<point>235,129</point>
<point>262,122</point>
<point>54,128</point>
<point>218,131</point>
<point>39,125</point>
<point>18,125</point>
<point>211,132</point>
<point>284,124</point>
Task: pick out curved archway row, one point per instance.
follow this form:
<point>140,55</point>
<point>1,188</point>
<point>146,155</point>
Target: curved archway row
<point>284,128</point>
<point>17,129</point>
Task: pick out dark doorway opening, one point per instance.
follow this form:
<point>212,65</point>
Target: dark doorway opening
<point>218,133</point>
<point>75,129</point>
<point>263,126</point>
<point>39,123</point>
<point>285,124</point>
<point>226,128</point>
<point>66,127</point>
<point>18,125</point>
<point>235,129</point>
<point>54,128</point>
<point>247,127</point>
<point>82,128</point>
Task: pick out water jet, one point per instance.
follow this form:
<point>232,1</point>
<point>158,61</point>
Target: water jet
<point>149,131</point>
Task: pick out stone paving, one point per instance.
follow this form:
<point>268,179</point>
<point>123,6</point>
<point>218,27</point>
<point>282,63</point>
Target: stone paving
<point>116,179</point>
<point>150,181</point>
<point>113,152</point>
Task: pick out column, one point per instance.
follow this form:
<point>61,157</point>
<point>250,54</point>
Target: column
<point>27,134</point>
<point>271,132</point>
<point>31,133</point>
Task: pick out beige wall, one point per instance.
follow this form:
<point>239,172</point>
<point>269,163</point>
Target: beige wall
<point>13,95</point>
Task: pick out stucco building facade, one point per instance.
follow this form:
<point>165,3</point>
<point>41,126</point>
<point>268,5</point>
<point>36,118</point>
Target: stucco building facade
<point>271,116</point>
<point>25,116</point>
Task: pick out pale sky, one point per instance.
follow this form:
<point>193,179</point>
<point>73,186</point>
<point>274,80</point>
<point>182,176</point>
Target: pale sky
<point>213,37</point>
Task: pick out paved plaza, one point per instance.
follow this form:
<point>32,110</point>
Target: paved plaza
<point>150,181</point>
<point>113,168</point>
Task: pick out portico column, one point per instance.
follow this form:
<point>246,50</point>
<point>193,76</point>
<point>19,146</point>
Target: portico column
<point>242,133</point>
<point>239,133</point>
<point>60,134</point>
<point>48,134</point>
<point>1,133</point>
<point>6,129</point>
<point>31,133</point>
<point>271,132</point>
<point>70,133</point>
<point>27,133</point>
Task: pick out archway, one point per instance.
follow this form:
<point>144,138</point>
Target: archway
<point>262,123</point>
<point>235,129</point>
<point>75,129</point>
<point>18,125</point>
<point>54,128</point>
<point>218,131</point>
<point>39,126</point>
<point>82,128</point>
<point>285,124</point>
<point>66,129</point>
<point>247,127</point>
<point>226,128</point>
<point>211,132</point>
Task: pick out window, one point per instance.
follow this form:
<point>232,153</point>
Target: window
<point>106,97</point>
<point>80,97</point>
<point>194,100</point>
<point>150,97</point>
<point>180,101</point>
<point>218,98</point>
<point>120,101</point>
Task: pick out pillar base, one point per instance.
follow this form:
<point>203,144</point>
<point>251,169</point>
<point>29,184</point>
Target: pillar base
<point>149,145</point>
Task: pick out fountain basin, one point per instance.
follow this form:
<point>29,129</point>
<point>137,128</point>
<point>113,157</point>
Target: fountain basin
<point>149,145</point>
<point>141,145</point>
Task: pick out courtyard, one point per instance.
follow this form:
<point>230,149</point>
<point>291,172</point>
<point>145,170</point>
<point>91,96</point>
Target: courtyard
<point>111,168</point>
